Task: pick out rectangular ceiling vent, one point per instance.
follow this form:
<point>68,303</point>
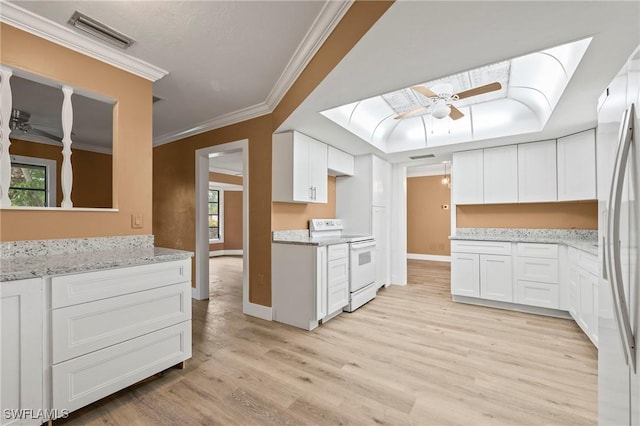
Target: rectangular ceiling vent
<point>100,30</point>
<point>419,157</point>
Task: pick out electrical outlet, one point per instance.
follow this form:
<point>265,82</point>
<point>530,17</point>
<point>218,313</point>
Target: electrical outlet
<point>136,221</point>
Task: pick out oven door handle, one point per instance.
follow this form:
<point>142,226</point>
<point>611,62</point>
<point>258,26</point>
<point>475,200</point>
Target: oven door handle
<point>365,244</point>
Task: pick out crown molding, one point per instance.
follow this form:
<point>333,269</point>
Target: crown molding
<point>322,27</point>
<point>215,123</point>
<point>28,21</point>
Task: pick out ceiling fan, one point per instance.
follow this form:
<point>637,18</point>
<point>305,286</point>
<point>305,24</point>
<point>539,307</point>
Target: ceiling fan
<point>441,99</point>
<point>20,122</point>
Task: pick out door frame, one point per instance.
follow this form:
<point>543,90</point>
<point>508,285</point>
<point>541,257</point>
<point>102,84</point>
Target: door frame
<point>201,290</point>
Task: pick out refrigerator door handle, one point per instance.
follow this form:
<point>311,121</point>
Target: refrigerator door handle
<point>612,249</point>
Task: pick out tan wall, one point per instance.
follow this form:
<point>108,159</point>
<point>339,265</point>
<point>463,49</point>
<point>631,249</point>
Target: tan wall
<point>232,222</point>
<point>132,174</point>
<point>173,164</point>
<point>428,224</point>
<point>92,177</point>
<point>287,216</point>
<point>575,215</point>
<point>225,178</point>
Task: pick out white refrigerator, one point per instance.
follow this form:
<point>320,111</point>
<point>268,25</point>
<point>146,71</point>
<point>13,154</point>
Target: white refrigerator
<point>618,141</point>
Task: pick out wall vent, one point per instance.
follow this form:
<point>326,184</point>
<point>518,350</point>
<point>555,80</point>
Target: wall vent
<point>418,157</point>
<point>99,30</point>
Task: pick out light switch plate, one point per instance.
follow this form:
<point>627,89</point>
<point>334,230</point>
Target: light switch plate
<point>136,221</point>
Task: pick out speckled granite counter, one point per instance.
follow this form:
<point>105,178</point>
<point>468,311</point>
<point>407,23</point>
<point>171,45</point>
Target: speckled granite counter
<point>35,259</point>
<point>301,237</point>
<point>584,240</point>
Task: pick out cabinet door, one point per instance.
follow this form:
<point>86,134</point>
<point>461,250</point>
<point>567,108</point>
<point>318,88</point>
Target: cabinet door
<point>577,167</point>
<point>21,348</point>
<point>338,285</point>
<point>574,293</point>
<point>467,177</point>
<point>465,274</point>
<point>586,318</point>
<point>302,187</point>
<point>537,172</point>
<point>339,162</point>
<point>501,174</point>
<point>496,282</point>
<point>317,167</point>
<point>321,283</point>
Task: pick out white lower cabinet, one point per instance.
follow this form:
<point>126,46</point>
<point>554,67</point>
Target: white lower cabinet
<point>113,328</point>
<point>583,292</point>
<point>21,352</point>
<point>337,279</point>
<point>476,271</point>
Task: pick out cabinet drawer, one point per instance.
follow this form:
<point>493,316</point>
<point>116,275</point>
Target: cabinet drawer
<point>338,272</point>
<point>531,293</point>
<point>69,290</point>
<point>537,269</point>
<point>87,327</point>
<point>337,297</point>
<point>338,251</point>
<point>480,247</point>
<point>83,380</point>
<point>584,260</point>
<point>546,251</point>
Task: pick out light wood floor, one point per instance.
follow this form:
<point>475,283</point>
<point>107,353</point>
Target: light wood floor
<point>411,356</point>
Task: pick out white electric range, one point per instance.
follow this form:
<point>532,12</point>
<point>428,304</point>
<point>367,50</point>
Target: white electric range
<point>362,267</point>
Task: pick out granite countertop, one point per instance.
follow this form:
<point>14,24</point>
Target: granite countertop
<point>301,237</point>
<point>586,241</point>
<point>27,264</point>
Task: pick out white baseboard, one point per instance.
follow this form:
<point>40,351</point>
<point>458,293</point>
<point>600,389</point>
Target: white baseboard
<point>195,295</point>
<point>258,311</point>
<point>226,253</point>
<point>432,257</point>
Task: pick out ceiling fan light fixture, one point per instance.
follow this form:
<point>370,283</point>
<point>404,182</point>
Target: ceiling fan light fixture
<point>440,110</point>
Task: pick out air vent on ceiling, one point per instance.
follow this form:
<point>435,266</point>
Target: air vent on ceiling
<point>100,30</point>
<point>157,99</point>
<point>418,157</point>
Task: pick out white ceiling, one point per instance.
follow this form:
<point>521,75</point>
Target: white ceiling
<point>227,163</point>
<point>222,56</point>
<point>227,58</point>
<point>416,42</point>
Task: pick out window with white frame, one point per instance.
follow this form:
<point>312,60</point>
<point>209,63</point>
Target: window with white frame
<point>33,182</point>
<point>216,214</point>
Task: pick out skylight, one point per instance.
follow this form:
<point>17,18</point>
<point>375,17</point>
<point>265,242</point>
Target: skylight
<point>531,86</point>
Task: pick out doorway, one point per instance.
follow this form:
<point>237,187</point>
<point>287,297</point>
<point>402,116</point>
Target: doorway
<point>239,151</point>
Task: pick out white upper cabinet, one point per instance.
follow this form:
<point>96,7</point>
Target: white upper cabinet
<point>467,177</point>
<point>501,175</point>
<point>299,172</point>
<point>577,167</point>
<point>537,172</point>
<point>340,163</point>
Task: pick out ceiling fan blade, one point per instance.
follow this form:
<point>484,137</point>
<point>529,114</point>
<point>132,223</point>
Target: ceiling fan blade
<point>491,87</point>
<point>455,113</point>
<point>409,113</point>
<point>423,90</point>
<point>47,135</point>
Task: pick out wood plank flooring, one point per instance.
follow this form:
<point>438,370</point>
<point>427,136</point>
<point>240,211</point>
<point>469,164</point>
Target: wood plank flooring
<point>410,356</point>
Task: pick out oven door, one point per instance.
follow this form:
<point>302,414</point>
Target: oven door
<point>362,264</point>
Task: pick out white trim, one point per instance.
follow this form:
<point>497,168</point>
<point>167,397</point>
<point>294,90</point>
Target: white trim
<point>50,175</point>
<point>325,23</point>
<point>63,209</point>
<point>28,21</point>
<point>322,27</point>
<point>398,217</point>
<point>550,312</point>
<point>432,257</point>
<point>225,186</point>
<point>258,311</point>
<point>216,253</point>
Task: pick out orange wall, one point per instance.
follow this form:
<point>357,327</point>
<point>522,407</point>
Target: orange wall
<point>232,222</point>
<point>92,177</point>
<point>132,141</point>
<point>574,215</point>
<point>428,224</point>
<point>225,178</point>
<point>287,216</point>
<point>174,165</point>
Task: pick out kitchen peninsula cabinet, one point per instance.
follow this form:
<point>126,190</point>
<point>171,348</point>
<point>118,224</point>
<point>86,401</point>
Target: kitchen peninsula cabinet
<point>300,171</point>
<point>21,332</point>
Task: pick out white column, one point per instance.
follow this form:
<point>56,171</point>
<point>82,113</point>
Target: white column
<point>398,224</point>
<point>67,124</point>
<point>5,118</point>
